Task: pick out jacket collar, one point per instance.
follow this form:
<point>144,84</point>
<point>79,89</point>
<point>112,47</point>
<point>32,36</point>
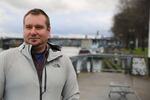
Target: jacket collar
<point>25,49</point>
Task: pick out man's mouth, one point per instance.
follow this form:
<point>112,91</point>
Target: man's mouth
<point>33,38</point>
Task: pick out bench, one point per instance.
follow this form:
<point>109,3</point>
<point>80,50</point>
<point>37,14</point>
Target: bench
<point>121,89</point>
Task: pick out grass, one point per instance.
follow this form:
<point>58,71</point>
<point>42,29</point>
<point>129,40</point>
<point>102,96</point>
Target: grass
<point>109,65</point>
<point>136,51</point>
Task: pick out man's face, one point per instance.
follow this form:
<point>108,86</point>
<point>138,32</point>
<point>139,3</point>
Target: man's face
<point>35,30</point>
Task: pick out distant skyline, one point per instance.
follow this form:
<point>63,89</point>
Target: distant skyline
<point>69,18</point>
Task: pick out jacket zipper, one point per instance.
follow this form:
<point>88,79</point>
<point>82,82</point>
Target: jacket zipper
<point>40,82</point>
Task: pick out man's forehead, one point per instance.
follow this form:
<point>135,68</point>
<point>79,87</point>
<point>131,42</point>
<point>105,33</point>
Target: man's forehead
<point>35,19</point>
<point>35,16</point>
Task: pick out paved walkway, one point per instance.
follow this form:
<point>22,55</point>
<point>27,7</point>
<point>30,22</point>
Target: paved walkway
<point>95,86</point>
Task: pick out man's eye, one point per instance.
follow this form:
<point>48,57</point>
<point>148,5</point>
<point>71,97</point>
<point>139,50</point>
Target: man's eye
<point>39,27</point>
<point>28,27</point>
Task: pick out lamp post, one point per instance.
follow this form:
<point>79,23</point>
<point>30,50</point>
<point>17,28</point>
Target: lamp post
<point>149,47</point>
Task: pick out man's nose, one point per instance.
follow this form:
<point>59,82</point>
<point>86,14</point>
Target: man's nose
<point>33,31</point>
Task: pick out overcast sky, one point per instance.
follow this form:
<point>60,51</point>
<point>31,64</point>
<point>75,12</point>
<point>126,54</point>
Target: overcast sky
<point>68,17</point>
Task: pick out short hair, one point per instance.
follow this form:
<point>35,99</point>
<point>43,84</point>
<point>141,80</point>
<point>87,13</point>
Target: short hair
<point>37,11</point>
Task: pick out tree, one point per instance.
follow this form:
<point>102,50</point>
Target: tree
<point>131,22</point>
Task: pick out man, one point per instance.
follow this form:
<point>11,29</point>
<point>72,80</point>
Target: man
<point>37,70</point>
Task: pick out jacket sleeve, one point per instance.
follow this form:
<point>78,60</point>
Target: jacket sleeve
<point>71,88</point>
<point>2,77</point>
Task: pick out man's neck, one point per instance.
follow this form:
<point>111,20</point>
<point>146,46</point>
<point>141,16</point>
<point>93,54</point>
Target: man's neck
<point>39,49</point>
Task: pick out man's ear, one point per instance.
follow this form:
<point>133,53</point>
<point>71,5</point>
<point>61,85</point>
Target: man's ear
<point>49,29</point>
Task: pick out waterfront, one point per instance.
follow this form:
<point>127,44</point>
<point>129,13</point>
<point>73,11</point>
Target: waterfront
<point>95,85</point>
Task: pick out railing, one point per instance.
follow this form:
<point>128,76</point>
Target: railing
<point>104,62</point>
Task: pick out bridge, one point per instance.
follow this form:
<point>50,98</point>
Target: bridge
<point>7,43</point>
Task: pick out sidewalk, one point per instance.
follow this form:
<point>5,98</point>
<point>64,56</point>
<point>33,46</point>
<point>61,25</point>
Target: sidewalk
<point>95,86</point>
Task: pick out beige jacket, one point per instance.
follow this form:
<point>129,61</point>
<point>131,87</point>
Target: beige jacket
<point>19,79</point>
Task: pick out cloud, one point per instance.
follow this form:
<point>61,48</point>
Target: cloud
<point>67,16</point>
<point>10,18</point>
<point>64,5</point>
